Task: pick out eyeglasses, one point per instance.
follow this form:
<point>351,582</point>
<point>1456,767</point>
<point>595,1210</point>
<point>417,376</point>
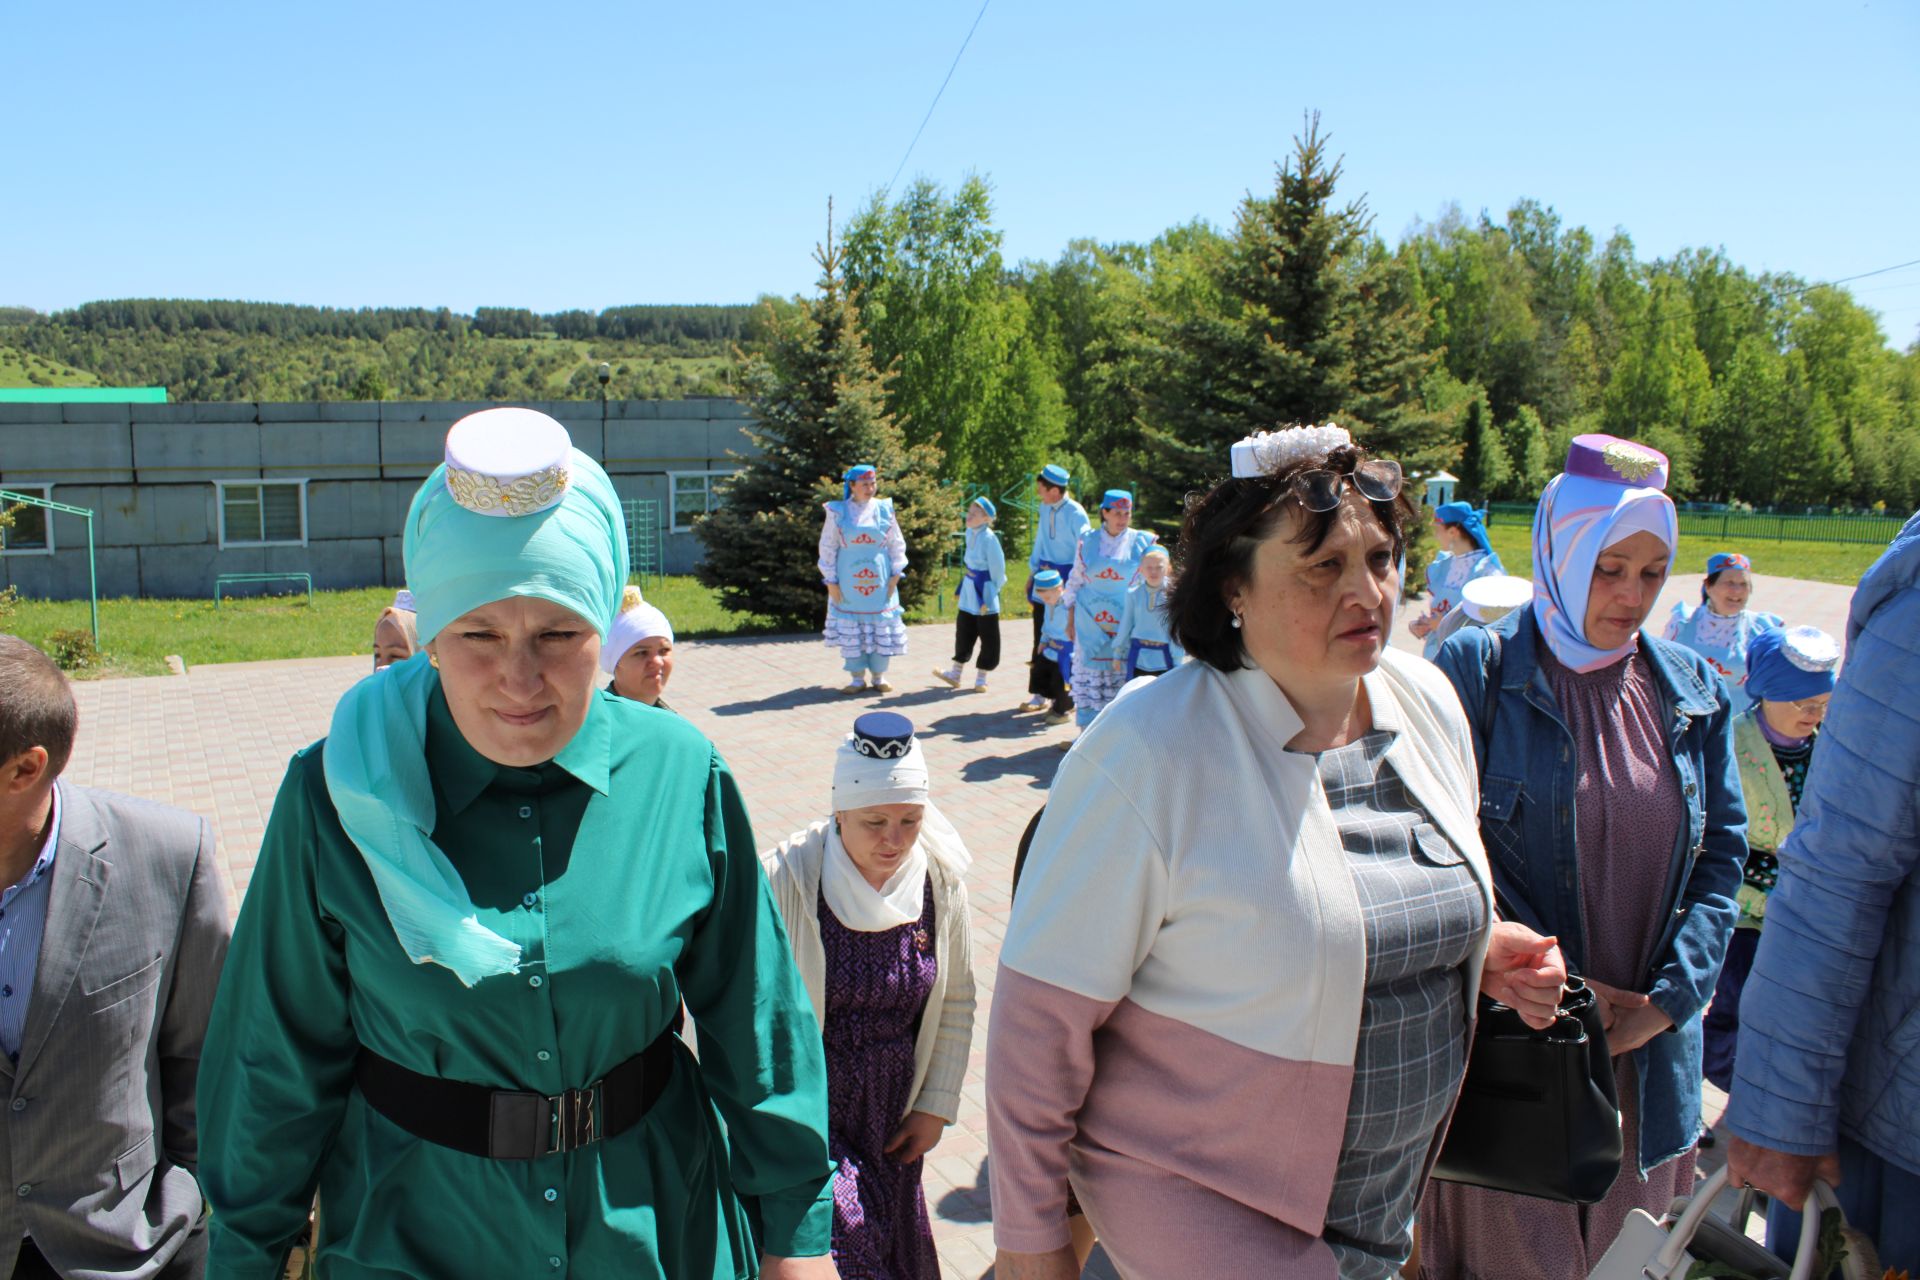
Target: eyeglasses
<point>1377,480</point>
<point>1813,706</point>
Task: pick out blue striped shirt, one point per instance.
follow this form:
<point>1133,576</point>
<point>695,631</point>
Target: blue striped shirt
<point>23,924</point>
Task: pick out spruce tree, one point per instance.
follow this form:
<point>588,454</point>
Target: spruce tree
<point>1313,322</point>
<point>1484,468</point>
<point>818,407</point>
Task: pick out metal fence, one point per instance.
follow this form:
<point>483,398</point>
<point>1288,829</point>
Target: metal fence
<point>645,553</point>
<point>1735,527</point>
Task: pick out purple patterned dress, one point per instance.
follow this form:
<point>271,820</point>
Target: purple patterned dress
<point>877,988</point>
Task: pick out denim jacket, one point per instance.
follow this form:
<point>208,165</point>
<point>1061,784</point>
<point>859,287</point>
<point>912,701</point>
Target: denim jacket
<point>1528,764</point>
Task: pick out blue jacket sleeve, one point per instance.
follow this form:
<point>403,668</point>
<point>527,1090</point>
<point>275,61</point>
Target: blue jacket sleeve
<point>1855,841</point>
<point>1685,974</point>
<point>996,568</point>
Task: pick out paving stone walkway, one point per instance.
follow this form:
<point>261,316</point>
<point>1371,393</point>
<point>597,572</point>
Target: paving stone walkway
<point>217,740</point>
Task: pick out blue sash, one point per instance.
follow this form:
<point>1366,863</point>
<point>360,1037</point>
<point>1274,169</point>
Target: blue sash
<point>1061,651</point>
<point>1133,655</point>
<point>978,577</point>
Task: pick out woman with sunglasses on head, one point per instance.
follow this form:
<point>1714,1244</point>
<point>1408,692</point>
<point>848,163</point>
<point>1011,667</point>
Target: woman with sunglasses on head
<point>1103,568</point>
<point>1611,804</point>
<point>862,559</point>
<point>1465,554</point>
<point>1790,676</point>
<point>1232,1019</point>
<point>1721,626</point>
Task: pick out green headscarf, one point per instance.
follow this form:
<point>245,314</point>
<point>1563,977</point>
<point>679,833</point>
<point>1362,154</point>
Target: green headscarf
<point>573,554</point>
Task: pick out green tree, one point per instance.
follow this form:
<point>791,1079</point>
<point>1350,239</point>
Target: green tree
<point>1484,468</point>
<point>1307,321</point>
<point>818,407</point>
<point>1660,388</point>
<point>1525,436</point>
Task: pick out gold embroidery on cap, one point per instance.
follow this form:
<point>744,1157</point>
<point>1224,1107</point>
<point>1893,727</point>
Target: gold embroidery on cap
<point>485,495</point>
<point>1630,462</point>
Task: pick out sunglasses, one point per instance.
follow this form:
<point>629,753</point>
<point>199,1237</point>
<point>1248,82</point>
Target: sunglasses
<point>1319,490</point>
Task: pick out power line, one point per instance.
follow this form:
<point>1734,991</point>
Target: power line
<point>1773,295</point>
<point>936,97</point>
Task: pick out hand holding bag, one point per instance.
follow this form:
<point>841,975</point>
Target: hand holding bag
<point>1647,1249</point>
<point>1538,1113</point>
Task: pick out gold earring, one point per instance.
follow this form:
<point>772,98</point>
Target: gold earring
<point>433,660</point>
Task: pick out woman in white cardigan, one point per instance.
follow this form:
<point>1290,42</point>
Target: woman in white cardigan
<point>1238,982</point>
<point>876,912</point>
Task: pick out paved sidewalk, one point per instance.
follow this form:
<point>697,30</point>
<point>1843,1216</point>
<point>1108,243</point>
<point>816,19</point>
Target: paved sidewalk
<point>217,742</point>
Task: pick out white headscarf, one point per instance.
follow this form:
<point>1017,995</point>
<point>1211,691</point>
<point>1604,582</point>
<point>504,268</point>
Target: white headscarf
<point>642,622</point>
<point>861,781</point>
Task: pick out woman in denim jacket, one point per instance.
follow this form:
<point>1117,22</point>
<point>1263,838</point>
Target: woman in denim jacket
<point>1611,811</point>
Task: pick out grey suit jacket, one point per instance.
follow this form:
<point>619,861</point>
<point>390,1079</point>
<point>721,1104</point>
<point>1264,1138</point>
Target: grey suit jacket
<point>98,1141</point>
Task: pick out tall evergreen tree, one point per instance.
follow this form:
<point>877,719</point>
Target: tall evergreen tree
<point>818,407</point>
<point>1527,448</point>
<point>1310,322</point>
<point>1484,468</point>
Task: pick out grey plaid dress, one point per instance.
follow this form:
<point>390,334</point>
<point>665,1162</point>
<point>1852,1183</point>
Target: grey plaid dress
<point>1423,914</point>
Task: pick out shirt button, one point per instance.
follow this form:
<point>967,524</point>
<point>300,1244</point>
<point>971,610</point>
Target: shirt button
<point>552,1195</point>
<point>23,1190</point>
<point>530,899</point>
<point>526,811</point>
<point>536,980</point>
<point>543,1055</point>
<point>554,1263</point>
<point>19,1104</point>
<point>6,990</point>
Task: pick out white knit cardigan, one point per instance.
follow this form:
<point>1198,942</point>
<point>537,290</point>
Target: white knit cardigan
<point>946,1027</point>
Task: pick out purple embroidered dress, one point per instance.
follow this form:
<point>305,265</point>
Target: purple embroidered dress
<point>877,989</point>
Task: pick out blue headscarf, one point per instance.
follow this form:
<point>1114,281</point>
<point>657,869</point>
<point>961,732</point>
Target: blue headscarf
<point>853,473</point>
<point>1598,500</point>
<point>573,554</point>
<point>1462,516</point>
<point>1791,665</point>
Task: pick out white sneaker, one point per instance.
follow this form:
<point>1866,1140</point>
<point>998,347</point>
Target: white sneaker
<point>950,677</point>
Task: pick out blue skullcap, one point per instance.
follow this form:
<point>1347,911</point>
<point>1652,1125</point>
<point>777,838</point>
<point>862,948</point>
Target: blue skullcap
<point>1046,579</point>
<point>515,511</point>
<point>854,473</point>
<point>1467,520</point>
<point>1116,498</point>
<point>1728,560</point>
<point>1055,474</point>
<point>1791,665</point>
<point>883,735</point>
<point>986,504</point>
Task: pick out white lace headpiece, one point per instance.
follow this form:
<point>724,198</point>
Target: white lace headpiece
<point>1266,453</point>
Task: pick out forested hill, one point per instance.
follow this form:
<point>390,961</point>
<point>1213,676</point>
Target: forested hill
<point>220,350</point>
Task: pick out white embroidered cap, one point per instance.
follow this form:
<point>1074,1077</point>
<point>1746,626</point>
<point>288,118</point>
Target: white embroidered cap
<point>1810,649</point>
<point>1493,597</point>
<point>1266,453</point>
<point>508,462</point>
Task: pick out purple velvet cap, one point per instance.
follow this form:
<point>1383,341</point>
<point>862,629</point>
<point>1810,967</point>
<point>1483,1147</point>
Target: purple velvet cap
<point>1615,461</point>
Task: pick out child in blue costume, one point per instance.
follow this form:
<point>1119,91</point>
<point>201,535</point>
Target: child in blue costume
<point>1053,660</point>
<point>862,557</point>
<point>1057,529</point>
<point>1465,554</point>
<point>1721,626</point>
<point>1103,569</point>
<point>1144,642</point>
<point>978,616</point>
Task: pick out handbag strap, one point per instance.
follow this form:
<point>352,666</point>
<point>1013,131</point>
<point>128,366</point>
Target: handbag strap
<point>1667,1261</point>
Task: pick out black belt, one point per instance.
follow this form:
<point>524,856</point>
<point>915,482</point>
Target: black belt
<point>509,1125</point>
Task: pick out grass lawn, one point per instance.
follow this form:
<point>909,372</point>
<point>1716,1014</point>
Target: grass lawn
<point>1839,562</point>
<point>137,635</point>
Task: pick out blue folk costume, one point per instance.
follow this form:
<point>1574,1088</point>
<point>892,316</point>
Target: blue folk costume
<point>1449,574</point>
<point>1145,642</point>
<point>1103,570</point>
<point>978,619</point>
<point>1053,656</point>
<point>861,550</point>
<point>1058,528</point>
<point>1720,639</point>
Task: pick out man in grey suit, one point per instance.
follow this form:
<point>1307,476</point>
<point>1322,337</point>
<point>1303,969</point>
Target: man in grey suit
<point>113,927</point>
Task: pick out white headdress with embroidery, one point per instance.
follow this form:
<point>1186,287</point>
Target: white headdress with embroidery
<point>1266,453</point>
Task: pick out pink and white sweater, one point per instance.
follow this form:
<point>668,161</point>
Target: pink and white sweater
<point>1183,973</point>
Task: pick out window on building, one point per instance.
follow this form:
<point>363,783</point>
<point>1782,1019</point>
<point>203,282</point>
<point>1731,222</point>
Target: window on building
<point>693,496</point>
<point>263,514</point>
<point>31,529</point>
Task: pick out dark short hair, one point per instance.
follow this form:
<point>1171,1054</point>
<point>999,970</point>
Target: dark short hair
<point>1048,484</point>
<point>1226,525</point>
<point>36,705</point>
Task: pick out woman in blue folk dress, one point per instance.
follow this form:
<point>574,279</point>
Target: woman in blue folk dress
<point>1103,569</point>
<point>862,558</point>
<point>1465,554</point>
<point>1721,626</point>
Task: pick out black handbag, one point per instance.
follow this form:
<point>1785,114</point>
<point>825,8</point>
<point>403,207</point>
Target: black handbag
<point>1538,1113</point>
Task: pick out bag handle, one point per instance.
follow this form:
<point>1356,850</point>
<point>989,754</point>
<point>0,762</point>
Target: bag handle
<point>1667,1261</point>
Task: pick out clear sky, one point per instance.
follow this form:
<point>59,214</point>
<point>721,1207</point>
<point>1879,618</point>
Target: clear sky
<point>592,154</point>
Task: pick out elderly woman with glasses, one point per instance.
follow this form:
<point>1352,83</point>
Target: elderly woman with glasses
<point>478,908</point>
<point>1232,1019</point>
<point>1721,627</point>
<point>1790,675</point>
<point>1611,806</point>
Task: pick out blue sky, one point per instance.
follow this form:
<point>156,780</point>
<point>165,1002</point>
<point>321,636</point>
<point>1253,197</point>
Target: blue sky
<point>593,154</point>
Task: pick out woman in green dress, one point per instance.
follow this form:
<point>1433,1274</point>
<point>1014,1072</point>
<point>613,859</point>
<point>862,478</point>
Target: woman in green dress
<point>478,907</point>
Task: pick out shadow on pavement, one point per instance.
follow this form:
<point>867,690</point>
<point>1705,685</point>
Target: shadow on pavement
<point>805,696</point>
<point>968,1204</point>
<point>987,725</point>
<point>1038,763</point>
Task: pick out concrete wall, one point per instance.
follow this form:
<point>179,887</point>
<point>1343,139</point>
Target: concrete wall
<point>148,471</point>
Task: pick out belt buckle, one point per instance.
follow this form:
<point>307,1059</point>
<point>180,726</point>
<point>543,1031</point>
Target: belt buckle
<point>573,1118</point>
